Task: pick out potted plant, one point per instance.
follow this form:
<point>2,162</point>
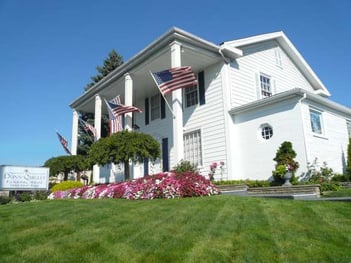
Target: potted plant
<point>286,165</point>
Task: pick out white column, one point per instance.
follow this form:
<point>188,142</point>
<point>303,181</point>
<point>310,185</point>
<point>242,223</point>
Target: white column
<point>128,100</point>
<point>74,139</point>
<point>97,120</point>
<point>97,125</point>
<point>177,104</point>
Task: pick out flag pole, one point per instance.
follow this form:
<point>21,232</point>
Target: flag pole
<point>152,75</point>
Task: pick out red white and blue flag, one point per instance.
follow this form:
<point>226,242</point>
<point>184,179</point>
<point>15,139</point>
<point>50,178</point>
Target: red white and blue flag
<point>115,121</point>
<point>119,109</point>
<point>174,78</point>
<point>88,127</point>
<point>64,143</point>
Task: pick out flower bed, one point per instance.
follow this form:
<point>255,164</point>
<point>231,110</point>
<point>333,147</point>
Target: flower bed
<point>162,185</point>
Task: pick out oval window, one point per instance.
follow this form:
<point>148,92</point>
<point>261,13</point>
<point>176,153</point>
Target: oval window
<point>266,132</point>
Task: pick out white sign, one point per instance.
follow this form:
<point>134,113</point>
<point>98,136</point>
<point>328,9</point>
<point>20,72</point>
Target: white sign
<point>24,178</point>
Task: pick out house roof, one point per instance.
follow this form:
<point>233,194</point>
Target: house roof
<point>290,50</point>
<point>188,41</point>
<point>297,92</point>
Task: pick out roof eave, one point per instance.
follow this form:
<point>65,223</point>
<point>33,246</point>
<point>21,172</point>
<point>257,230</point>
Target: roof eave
<point>297,92</point>
<point>174,34</point>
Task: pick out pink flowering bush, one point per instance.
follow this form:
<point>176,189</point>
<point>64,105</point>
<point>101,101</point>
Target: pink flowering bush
<point>162,185</point>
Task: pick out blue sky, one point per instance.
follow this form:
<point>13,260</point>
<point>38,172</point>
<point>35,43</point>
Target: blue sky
<point>49,50</point>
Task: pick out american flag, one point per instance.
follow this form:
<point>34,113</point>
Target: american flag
<point>174,78</point>
<point>120,109</point>
<point>63,142</point>
<point>115,121</point>
<point>88,127</point>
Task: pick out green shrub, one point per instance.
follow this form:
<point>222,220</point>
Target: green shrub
<point>284,159</point>
<point>249,183</point>
<point>40,195</point>
<point>66,185</point>
<point>330,186</point>
<point>4,199</point>
<point>23,196</point>
<point>185,166</point>
<point>341,178</point>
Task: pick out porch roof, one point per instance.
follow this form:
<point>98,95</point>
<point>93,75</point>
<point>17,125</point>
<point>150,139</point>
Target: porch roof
<point>196,52</point>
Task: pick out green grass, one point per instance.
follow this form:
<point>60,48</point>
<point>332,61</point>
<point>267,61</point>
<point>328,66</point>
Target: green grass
<point>209,229</point>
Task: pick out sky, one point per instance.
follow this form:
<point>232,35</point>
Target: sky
<point>49,49</point>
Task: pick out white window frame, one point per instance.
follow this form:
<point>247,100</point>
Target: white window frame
<point>189,92</point>
<point>266,132</point>
<point>266,88</point>
<point>155,107</point>
<point>319,129</point>
<point>192,142</point>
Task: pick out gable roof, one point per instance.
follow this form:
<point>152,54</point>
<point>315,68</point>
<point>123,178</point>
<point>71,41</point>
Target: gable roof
<point>292,52</point>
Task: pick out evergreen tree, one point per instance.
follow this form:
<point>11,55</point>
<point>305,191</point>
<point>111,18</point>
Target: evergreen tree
<point>113,61</point>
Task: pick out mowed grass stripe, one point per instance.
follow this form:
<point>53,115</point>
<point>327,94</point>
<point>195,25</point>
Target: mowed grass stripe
<point>208,229</point>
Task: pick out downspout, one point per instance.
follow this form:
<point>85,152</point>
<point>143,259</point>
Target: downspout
<point>303,124</point>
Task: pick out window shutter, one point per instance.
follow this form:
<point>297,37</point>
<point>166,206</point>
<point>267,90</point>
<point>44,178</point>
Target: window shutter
<point>258,85</point>
<point>274,89</point>
<point>163,107</point>
<point>201,81</point>
<point>146,111</point>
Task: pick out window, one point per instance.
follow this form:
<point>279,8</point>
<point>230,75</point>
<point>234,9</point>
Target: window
<point>192,147</point>
<point>155,107</point>
<point>348,124</point>
<point>316,121</point>
<point>191,96</point>
<point>266,87</point>
<point>266,131</point>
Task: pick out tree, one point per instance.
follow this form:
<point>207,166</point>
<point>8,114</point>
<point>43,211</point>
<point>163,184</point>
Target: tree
<point>66,164</point>
<point>284,159</point>
<point>123,147</point>
<point>85,139</point>
<point>113,61</point>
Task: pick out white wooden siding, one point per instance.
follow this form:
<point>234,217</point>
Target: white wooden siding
<point>331,147</point>
<point>254,155</point>
<point>209,118</point>
<point>261,58</point>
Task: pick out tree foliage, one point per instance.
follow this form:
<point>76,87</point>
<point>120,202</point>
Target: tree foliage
<point>123,147</point>
<point>66,164</point>
<point>113,61</point>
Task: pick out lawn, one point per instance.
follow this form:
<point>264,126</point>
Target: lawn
<point>203,229</point>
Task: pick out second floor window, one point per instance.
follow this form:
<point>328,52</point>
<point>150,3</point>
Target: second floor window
<point>266,86</point>
<point>191,96</point>
<point>155,107</point>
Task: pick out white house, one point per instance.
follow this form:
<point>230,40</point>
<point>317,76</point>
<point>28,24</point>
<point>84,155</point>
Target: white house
<point>252,94</point>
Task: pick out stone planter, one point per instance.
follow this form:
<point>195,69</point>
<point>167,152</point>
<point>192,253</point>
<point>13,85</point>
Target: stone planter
<point>287,178</point>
